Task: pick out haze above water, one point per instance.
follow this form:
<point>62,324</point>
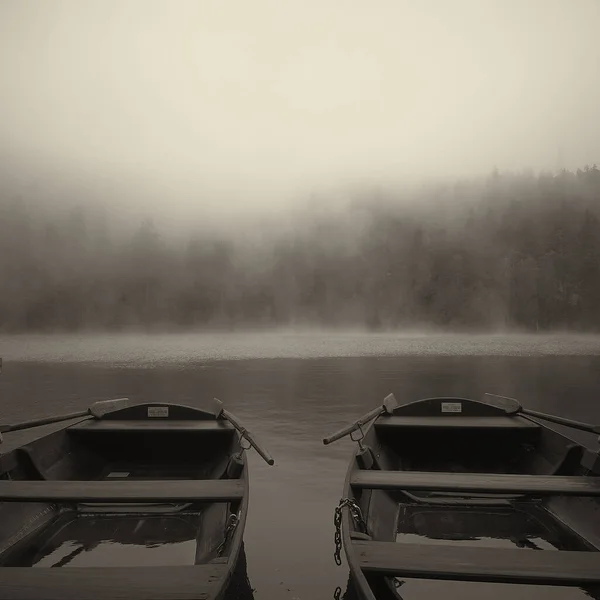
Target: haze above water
<point>152,350</point>
<point>225,109</point>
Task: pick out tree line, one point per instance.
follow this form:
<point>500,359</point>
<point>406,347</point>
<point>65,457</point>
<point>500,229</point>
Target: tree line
<point>512,250</point>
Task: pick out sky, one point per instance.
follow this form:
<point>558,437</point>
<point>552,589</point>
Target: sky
<point>226,105</point>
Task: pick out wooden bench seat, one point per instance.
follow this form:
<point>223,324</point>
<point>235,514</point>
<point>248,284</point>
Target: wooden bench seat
<point>96,426</point>
<point>456,422</point>
<point>199,582</point>
<point>476,483</point>
<point>210,490</point>
<point>479,564</point>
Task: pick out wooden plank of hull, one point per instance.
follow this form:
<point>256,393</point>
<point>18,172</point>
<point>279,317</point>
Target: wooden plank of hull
<point>198,582</point>
<point>476,483</point>
<point>209,490</point>
<point>479,564</point>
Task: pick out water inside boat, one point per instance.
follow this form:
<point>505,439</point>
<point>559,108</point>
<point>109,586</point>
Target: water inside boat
<point>524,526</point>
<point>114,541</point>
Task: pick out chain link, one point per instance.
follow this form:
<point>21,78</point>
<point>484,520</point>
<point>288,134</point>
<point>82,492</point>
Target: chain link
<point>337,521</point>
<point>338,593</point>
<point>232,523</point>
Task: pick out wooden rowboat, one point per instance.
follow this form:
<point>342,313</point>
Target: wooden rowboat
<point>141,501</point>
<point>460,490</point>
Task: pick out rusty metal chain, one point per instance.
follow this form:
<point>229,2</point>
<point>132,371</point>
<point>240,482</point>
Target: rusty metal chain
<point>232,523</point>
<point>337,521</point>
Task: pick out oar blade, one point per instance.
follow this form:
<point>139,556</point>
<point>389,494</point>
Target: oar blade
<point>217,408</point>
<point>389,404</point>
<point>104,407</point>
<point>510,406</point>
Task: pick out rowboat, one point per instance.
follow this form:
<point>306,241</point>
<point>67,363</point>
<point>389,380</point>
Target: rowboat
<point>450,497</point>
<point>143,501</point>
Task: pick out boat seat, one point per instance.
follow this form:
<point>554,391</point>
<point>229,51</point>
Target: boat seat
<point>456,422</point>
<point>194,490</point>
<point>476,483</point>
<point>112,583</point>
<point>479,564</point>
<point>99,426</point>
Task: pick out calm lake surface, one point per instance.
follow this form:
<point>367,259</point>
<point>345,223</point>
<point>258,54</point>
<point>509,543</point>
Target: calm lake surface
<point>291,390</point>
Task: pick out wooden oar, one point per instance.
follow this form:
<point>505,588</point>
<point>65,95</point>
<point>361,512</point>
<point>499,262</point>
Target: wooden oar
<point>221,413</point>
<point>97,410</point>
<point>513,407</point>
<point>387,408</point>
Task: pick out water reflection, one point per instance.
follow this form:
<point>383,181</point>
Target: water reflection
<point>116,541</point>
<point>524,526</point>
<point>240,587</point>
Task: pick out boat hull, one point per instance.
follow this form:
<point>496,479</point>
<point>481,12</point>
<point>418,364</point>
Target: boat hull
<point>489,489</point>
<point>148,501</point>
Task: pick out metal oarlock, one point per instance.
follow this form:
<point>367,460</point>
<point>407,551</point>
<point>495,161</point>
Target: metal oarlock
<point>243,447</point>
<point>359,439</point>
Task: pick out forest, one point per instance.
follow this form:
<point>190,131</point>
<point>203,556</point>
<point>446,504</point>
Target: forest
<point>510,251</point>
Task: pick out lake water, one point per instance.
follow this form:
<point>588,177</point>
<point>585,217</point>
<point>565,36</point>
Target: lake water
<point>291,390</point>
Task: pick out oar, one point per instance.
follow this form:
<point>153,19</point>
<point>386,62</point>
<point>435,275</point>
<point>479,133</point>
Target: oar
<point>221,413</point>
<point>97,410</point>
<point>387,408</point>
<point>513,407</point>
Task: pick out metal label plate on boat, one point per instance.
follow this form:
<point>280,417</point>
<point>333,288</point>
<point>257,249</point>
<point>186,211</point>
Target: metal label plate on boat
<point>158,411</point>
<point>451,407</point>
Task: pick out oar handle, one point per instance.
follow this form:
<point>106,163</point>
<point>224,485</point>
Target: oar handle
<point>350,428</point>
<point>246,434</point>
<point>43,421</point>
<point>563,421</point>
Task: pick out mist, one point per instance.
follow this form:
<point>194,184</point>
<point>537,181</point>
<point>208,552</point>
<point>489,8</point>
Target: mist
<point>210,108</point>
<point>389,165</point>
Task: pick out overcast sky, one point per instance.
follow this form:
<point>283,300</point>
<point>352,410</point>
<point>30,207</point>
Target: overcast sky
<point>187,103</point>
